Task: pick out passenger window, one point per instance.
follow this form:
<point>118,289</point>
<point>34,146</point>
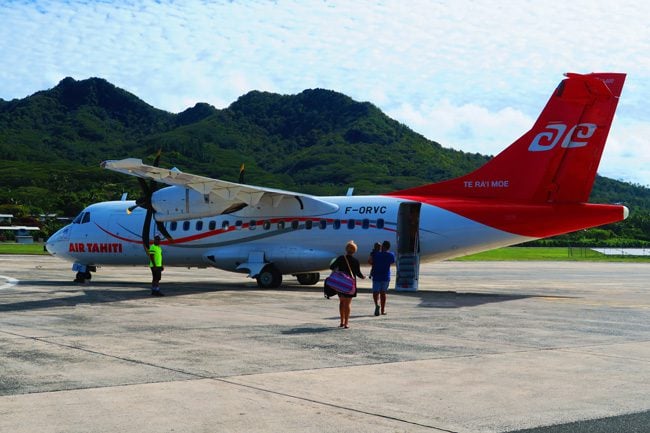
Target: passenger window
<point>322,224</point>
<point>225,225</point>
<point>380,223</point>
<point>173,226</point>
<point>309,224</point>
<point>212,225</point>
<point>238,224</point>
<point>86,218</point>
<point>281,225</point>
<point>199,226</point>
<point>252,225</point>
<point>351,223</point>
<point>365,224</point>
<point>337,224</point>
<point>295,224</point>
<point>186,225</point>
<point>266,225</point>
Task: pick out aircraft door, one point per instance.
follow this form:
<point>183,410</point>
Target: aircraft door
<point>408,247</point>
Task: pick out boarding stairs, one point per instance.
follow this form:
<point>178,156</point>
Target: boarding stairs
<point>407,274</point>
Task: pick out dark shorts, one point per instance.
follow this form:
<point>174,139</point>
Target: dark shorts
<point>156,272</point>
<point>380,286</point>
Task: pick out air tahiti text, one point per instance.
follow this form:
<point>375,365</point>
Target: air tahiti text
<point>94,247</point>
<point>364,210</point>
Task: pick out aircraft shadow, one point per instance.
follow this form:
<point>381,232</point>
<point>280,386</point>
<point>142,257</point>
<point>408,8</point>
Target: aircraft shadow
<point>99,292</point>
<point>452,299</point>
<point>73,294</point>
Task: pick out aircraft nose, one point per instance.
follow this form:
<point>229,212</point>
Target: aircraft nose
<point>57,244</point>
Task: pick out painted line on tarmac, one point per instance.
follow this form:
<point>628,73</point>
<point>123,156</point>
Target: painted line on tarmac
<point>10,282</point>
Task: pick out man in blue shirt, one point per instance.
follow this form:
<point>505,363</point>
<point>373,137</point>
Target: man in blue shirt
<point>381,262</point>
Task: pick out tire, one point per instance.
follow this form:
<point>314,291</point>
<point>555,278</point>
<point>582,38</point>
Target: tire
<point>269,278</point>
<point>308,279</point>
<point>82,277</point>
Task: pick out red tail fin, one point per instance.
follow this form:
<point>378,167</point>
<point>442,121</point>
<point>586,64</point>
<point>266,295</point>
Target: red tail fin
<point>556,161</point>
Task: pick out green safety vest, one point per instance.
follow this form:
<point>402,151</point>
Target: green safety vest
<point>156,250</point>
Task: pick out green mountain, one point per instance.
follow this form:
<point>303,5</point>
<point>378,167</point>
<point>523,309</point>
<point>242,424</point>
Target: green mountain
<point>318,141</point>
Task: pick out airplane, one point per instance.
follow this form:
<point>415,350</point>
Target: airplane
<point>537,187</point>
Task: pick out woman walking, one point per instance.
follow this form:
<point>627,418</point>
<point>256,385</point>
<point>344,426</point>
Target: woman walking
<point>349,265</point>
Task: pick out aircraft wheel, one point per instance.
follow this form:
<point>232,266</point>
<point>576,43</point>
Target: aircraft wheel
<point>308,279</point>
<point>82,277</point>
<point>269,278</point>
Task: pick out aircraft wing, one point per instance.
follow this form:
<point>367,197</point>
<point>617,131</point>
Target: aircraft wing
<point>228,192</point>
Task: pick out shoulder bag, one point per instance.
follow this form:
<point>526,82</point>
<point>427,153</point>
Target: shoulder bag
<point>342,282</point>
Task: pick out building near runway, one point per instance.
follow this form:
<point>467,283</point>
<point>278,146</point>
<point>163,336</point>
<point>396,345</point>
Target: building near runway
<point>20,233</point>
<point>636,252</point>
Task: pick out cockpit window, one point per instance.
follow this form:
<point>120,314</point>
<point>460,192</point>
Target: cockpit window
<point>82,218</point>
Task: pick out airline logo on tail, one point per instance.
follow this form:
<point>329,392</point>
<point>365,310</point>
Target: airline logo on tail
<point>548,139</point>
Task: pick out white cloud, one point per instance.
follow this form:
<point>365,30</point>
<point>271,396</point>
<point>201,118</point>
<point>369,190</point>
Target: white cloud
<point>468,127</point>
<point>627,153</point>
<point>471,75</point>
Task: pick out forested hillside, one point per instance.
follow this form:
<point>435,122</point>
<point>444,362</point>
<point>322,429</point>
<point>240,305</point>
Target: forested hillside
<point>318,141</point>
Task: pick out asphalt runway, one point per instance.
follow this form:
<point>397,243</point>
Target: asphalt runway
<point>542,347</point>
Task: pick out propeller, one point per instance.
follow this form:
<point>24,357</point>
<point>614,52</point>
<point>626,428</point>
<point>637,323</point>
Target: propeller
<point>145,202</point>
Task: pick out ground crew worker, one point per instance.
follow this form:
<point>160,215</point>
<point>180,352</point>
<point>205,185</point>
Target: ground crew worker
<point>156,265</point>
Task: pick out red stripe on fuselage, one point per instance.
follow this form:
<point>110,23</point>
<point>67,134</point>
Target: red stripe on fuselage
<point>537,220</point>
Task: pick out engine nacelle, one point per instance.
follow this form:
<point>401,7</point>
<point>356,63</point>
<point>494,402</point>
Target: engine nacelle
<point>176,203</point>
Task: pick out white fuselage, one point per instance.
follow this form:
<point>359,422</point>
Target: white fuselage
<point>294,241</point>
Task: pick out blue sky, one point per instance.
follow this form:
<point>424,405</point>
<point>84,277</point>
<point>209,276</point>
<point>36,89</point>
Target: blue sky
<point>472,75</point>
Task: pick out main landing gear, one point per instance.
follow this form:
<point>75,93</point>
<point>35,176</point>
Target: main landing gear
<point>269,278</point>
<point>308,279</point>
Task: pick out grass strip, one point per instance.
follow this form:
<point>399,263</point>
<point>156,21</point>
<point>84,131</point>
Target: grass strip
<point>32,249</point>
<point>561,254</point>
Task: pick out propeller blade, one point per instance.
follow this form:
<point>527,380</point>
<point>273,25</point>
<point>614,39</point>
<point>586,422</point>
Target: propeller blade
<point>152,185</point>
<point>162,229</point>
<point>145,230</point>
<point>241,173</point>
<point>148,189</point>
<point>156,160</point>
<point>144,186</point>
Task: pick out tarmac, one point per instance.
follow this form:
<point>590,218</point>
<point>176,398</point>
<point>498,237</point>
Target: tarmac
<point>540,347</point>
